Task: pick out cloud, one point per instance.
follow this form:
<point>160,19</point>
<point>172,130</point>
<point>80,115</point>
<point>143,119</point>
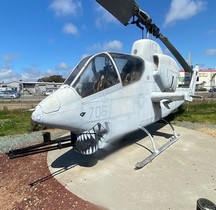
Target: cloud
<point>104,17</point>
<point>84,56</point>
<point>66,7</point>
<point>8,59</point>
<point>70,28</point>
<point>63,66</point>
<point>107,46</point>
<point>32,74</point>
<point>184,9</point>
<point>210,52</point>
<point>7,75</point>
<point>28,74</point>
<point>212,31</point>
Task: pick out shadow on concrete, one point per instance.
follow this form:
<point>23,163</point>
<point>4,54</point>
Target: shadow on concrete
<point>71,157</point>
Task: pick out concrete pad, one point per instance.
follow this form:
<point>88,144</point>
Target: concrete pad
<point>176,179</point>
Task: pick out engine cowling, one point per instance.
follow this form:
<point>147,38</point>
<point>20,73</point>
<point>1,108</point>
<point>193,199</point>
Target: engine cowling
<point>166,72</point>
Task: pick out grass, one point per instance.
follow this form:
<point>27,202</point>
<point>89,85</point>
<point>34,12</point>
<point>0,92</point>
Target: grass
<point>14,122</point>
<point>200,112</point>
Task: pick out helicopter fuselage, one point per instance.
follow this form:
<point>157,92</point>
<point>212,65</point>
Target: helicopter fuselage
<point>116,92</point>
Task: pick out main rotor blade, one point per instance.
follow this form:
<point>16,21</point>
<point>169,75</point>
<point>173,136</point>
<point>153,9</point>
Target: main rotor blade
<point>120,9</point>
<point>176,53</point>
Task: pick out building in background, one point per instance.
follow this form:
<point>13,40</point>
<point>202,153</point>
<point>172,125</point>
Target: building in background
<point>206,79</point>
<point>30,88</point>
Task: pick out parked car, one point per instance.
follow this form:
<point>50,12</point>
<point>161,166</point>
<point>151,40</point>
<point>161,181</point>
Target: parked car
<point>9,94</point>
<point>212,90</point>
<point>27,92</point>
<point>47,93</point>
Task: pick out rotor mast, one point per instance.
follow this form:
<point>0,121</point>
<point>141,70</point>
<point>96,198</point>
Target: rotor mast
<point>145,19</point>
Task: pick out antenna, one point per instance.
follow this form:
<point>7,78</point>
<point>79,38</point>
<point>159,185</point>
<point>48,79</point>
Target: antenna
<point>189,58</point>
<point>147,34</point>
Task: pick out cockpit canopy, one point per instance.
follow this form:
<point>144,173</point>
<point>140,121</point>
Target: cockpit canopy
<point>102,71</point>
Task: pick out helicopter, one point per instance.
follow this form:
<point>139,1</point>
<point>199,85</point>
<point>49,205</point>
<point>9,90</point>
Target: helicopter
<point>109,94</point>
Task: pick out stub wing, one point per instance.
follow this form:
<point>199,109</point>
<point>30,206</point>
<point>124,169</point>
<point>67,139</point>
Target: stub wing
<point>169,97</point>
<point>181,94</point>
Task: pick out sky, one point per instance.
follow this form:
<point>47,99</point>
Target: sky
<point>48,37</point>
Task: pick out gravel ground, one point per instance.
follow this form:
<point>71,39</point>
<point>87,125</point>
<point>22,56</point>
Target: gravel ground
<point>14,142</point>
<point>209,129</point>
<point>18,141</point>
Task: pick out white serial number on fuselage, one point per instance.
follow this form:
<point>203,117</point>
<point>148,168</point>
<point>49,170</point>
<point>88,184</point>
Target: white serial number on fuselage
<point>98,112</point>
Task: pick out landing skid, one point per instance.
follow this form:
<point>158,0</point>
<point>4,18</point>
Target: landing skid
<point>156,151</point>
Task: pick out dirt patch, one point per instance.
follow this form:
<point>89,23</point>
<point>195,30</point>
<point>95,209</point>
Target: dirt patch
<point>209,131</point>
<point>47,193</point>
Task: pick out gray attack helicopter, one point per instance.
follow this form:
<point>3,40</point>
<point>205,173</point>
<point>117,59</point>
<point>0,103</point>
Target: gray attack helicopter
<point>108,95</point>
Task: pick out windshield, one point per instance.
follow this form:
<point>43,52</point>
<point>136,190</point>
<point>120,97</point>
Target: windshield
<point>98,75</point>
<point>76,70</point>
<point>129,67</point>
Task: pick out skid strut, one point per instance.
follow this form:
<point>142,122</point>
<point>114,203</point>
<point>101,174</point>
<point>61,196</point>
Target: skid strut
<point>156,151</point>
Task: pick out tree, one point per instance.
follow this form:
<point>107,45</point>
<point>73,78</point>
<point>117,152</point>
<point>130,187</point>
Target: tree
<point>53,78</point>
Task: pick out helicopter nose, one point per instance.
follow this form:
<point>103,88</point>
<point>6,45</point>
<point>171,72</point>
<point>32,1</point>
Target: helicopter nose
<point>37,115</point>
<point>49,105</point>
<point>61,110</point>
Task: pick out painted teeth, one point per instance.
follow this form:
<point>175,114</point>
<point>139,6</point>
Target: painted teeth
<point>88,135</point>
<point>90,151</point>
<point>90,141</point>
<point>93,135</point>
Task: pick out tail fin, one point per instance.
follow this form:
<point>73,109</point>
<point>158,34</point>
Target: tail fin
<point>194,79</point>
<point>190,94</point>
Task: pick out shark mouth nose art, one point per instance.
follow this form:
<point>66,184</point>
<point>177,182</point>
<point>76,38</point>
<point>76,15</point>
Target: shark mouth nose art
<point>89,141</point>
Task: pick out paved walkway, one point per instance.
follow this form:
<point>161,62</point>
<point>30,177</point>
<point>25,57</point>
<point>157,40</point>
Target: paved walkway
<point>176,179</point>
